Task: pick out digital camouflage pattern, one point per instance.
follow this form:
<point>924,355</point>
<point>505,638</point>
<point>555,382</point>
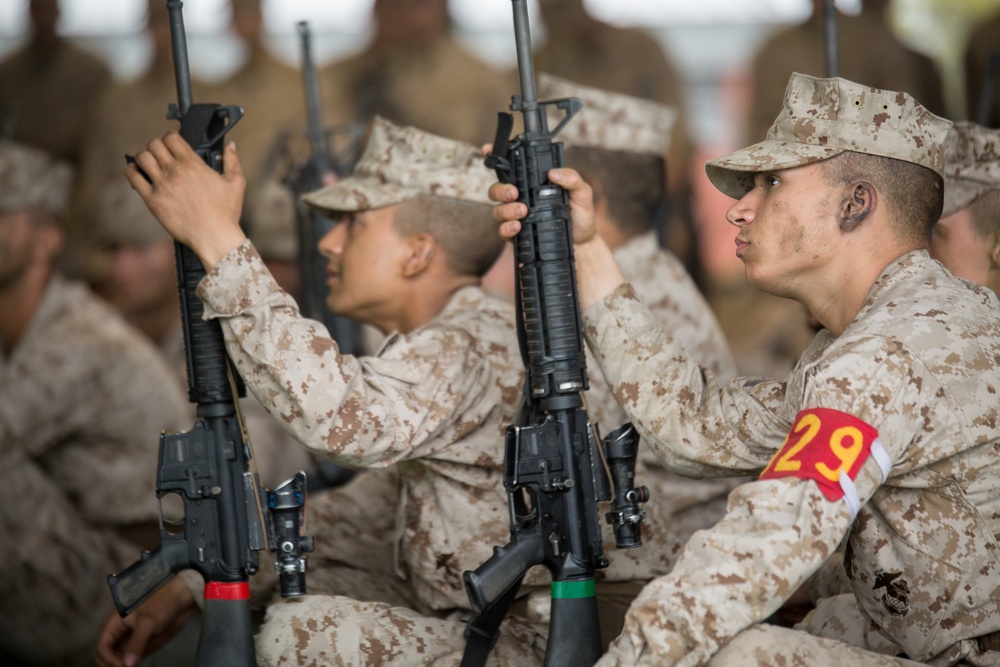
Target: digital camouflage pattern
<point>821,118</point>
<point>434,403</point>
<point>918,363</point>
<point>83,400</point>
<point>669,292</point>
<point>400,163</point>
<point>315,631</point>
<point>30,178</point>
<point>971,165</point>
<point>611,121</point>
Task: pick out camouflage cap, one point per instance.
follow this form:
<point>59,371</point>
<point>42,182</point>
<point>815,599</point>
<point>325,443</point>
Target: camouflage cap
<point>822,118</point>
<point>271,214</point>
<point>971,165</point>
<point>122,217</point>
<point>31,178</point>
<point>400,163</point>
<point>612,121</point>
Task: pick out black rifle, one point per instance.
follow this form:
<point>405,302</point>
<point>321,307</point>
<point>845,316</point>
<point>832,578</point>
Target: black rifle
<point>209,467</point>
<point>555,472</point>
<point>830,37</point>
<point>312,226</point>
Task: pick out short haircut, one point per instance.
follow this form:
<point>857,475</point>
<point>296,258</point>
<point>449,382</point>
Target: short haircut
<point>913,194</point>
<point>633,184</point>
<point>986,214</point>
<point>464,230</point>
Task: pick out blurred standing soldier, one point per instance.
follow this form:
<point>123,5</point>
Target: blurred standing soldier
<point>142,284</point>
<point>629,61</point>
<point>270,93</point>
<point>415,73</point>
<point>967,237</point>
<point>46,93</point>
<point>868,52</point>
<point>83,399</point>
<point>982,73</point>
<point>618,143</point>
<point>124,116</point>
<point>47,88</point>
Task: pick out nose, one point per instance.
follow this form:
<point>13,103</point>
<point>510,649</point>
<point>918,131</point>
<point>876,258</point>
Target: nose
<point>332,243</point>
<point>744,211</point>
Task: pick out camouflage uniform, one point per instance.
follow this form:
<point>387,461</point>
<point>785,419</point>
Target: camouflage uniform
<point>83,401</point>
<point>919,505</point>
<point>83,398</point>
<point>615,122</point>
<point>427,412</point>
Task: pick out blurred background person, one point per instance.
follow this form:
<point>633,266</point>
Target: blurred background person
<point>982,72</point>
<point>83,399</point>
<point>868,52</point>
<point>143,286</point>
<point>125,115</point>
<point>967,237</point>
<point>630,61</point>
<point>47,89</point>
<point>416,73</point>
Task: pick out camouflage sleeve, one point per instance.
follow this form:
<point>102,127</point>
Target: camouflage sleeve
<point>696,427</point>
<point>420,396</point>
<point>776,532</point>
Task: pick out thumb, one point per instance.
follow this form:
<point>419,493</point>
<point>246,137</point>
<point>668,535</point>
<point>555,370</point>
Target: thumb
<point>231,167</point>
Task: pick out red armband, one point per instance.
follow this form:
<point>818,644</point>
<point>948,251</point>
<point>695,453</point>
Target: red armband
<point>828,447</point>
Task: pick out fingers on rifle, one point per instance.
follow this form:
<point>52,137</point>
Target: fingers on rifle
<point>231,165</point>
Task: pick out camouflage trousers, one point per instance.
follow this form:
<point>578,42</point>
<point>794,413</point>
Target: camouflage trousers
<point>353,528</point>
<point>834,634</point>
<point>53,584</point>
<point>317,631</point>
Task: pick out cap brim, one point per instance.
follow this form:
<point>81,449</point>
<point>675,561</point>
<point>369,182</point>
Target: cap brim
<point>358,194</point>
<point>733,174</point>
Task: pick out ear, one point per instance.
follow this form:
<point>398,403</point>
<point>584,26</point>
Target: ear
<point>50,239</point>
<point>857,204</point>
<point>422,249</point>
<point>995,251</point>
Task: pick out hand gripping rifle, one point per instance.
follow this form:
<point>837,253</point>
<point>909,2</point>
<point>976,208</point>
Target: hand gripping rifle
<point>210,467</point>
<point>555,472</point>
<point>312,226</point>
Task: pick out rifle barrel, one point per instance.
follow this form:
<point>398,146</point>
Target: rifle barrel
<point>182,71</point>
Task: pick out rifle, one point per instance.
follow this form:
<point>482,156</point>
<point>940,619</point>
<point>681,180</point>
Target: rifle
<point>555,472</point>
<point>830,36</point>
<point>210,467</point>
<point>310,225</point>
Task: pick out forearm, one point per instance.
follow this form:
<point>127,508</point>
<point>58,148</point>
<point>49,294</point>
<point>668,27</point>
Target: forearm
<point>597,272</point>
<point>696,427</point>
<point>361,412</point>
<point>731,576</point>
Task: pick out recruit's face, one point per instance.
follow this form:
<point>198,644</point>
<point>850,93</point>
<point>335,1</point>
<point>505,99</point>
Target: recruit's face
<point>17,239</point>
<point>787,229</point>
<point>365,255</point>
<point>143,277</point>
<point>955,243</point>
